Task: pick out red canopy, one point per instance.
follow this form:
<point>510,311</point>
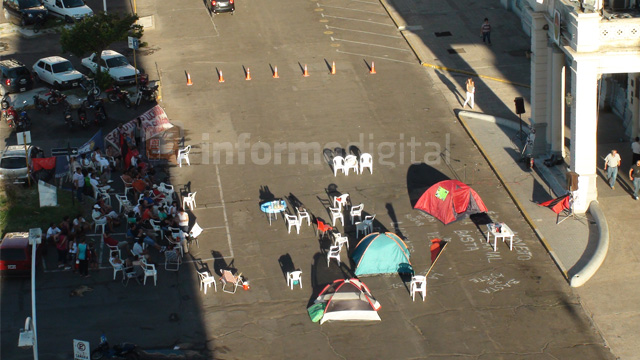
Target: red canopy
<point>450,200</point>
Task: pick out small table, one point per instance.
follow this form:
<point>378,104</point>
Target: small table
<point>505,232</point>
<point>273,207</point>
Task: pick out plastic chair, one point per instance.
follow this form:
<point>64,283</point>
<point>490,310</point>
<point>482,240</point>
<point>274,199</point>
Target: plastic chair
<point>341,241</point>
<point>176,242</point>
<point>99,222</point>
<point>196,230</point>
<point>228,278</point>
<point>183,154</point>
<point>323,227</point>
<point>127,185</point>
<point>338,164</point>
<point>363,227</point>
<point>303,214</point>
<point>366,161</point>
<point>155,224</point>
<point>116,268</point>
<point>351,162</point>
<point>129,273</point>
<point>292,220</point>
<point>149,270</point>
<point>356,211</point>
<point>336,213</point>
<point>333,253</point>
<point>167,190</point>
<point>294,278</point>
<point>206,280</point>
<point>189,200</point>
<point>341,201</point>
<point>174,264</point>
<point>123,202</point>
<point>418,285</point>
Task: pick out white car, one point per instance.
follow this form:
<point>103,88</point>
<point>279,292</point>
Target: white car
<point>58,72</point>
<point>115,64</point>
<point>69,10</point>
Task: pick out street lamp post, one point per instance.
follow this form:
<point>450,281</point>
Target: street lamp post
<point>29,335</point>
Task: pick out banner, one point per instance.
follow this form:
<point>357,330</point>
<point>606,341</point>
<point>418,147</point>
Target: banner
<point>95,142</point>
<point>154,122</point>
<point>62,166</point>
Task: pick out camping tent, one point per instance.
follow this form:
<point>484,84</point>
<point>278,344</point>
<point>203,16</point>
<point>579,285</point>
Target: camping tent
<point>347,300</point>
<point>381,253</point>
<point>450,200</point>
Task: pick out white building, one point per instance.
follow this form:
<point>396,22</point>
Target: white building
<point>577,47</point>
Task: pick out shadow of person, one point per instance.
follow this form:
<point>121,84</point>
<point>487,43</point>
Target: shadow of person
<point>219,262</point>
<point>419,178</point>
<point>451,86</point>
<point>392,214</point>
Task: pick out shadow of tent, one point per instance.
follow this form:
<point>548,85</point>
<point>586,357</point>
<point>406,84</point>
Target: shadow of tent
<point>323,275</point>
<point>419,178</point>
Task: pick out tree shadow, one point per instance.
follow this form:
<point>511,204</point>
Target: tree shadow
<point>419,178</point>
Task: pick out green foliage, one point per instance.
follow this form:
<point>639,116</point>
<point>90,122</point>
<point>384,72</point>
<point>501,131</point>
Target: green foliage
<point>103,80</point>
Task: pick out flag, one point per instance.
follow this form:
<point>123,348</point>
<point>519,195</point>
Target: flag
<point>44,163</point>
<point>558,204</point>
<point>97,141</point>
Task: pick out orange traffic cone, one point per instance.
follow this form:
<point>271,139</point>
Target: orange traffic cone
<point>248,74</point>
<point>220,77</point>
<point>275,73</point>
<point>373,68</point>
<point>305,73</point>
<point>333,68</point>
<point>189,82</point>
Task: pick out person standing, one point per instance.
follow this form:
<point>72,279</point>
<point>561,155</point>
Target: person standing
<point>485,31</point>
<point>634,175</point>
<point>635,148</point>
<point>78,183</point>
<point>611,164</point>
<point>471,90</point>
<point>83,257</point>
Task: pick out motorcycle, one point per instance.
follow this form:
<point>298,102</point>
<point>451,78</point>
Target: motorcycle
<point>24,122</point>
<point>114,94</point>
<point>9,114</point>
<point>100,114</point>
<point>41,104</point>
<point>147,93</point>
<point>68,118</point>
<point>55,97</point>
<point>89,85</point>
<point>82,117</point>
<point>124,351</point>
<point>91,102</point>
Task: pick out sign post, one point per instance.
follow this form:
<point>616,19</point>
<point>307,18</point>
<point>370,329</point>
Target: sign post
<point>24,138</point>
<point>81,350</point>
<point>134,43</point>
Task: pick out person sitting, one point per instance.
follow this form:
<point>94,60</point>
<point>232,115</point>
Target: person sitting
<point>101,161</point>
<point>139,186</point>
<point>80,225</point>
<point>52,234</point>
<point>138,249</point>
<point>148,199</point>
<point>66,227</point>
<point>111,217</point>
<point>157,195</point>
<point>85,162</point>
<point>112,153</point>
<point>131,218</point>
<point>106,208</point>
<point>109,240</point>
<point>142,237</point>
<point>95,183</point>
<point>147,214</point>
<point>139,208</point>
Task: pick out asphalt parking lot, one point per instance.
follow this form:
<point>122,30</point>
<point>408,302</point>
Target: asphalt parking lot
<point>481,303</point>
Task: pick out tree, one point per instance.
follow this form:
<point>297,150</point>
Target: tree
<point>94,34</point>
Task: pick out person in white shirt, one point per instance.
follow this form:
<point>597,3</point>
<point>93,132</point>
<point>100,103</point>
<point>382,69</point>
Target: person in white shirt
<point>183,220</point>
<point>52,233</point>
<point>611,165</point>
<point>80,225</point>
<point>78,183</point>
<point>101,161</point>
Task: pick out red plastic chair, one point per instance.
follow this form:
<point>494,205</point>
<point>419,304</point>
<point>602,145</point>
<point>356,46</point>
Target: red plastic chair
<point>323,227</point>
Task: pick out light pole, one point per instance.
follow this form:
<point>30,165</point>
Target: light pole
<point>29,335</point>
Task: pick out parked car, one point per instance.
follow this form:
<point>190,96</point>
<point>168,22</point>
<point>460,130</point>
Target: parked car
<point>14,77</point>
<point>15,254</point>
<point>24,12</point>
<point>13,163</point>
<point>57,71</point>
<point>115,64</point>
<point>69,10</point>
<point>218,6</point>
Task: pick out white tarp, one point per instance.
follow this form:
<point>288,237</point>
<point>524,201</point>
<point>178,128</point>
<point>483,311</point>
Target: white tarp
<point>48,194</point>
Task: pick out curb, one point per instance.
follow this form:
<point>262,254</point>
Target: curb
<point>602,247</point>
<point>529,220</point>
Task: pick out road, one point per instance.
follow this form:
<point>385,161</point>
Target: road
<point>481,303</point>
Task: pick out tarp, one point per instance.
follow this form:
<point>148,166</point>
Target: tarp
<point>95,142</point>
<point>44,163</point>
<point>381,253</point>
<point>450,200</point>
<point>558,204</point>
<point>348,300</point>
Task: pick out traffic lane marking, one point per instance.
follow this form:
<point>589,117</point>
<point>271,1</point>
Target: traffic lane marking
<point>369,44</point>
<point>364,32</point>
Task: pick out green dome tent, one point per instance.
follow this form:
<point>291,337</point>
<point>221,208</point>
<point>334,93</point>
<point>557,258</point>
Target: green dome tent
<point>381,253</point>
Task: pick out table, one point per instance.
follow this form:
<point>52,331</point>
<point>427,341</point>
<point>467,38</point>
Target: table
<point>273,207</point>
<point>505,232</point>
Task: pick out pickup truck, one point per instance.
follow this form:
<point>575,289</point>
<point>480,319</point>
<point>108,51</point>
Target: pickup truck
<point>69,10</point>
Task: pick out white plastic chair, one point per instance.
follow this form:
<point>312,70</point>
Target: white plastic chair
<point>338,164</point>
<point>366,161</point>
<point>341,201</point>
<point>356,211</point>
<point>189,200</point>
<point>418,285</point>
<point>183,154</point>
<point>206,280</point>
<point>333,253</point>
<point>102,222</point>
<point>336,213</point>
<point>351,162</point>
<point>341,241</point>
<point>196,230</point>
<point>172,265</point>
<point>123,202</point>
<point>303,214</point>
<point>155,224</point>
<point>149,270</point>
<point>166,189</point>
<point>116,268</point>
<point>176,242</point>
<point>127,186</point>
<point>294,278</point>
<point>292,220</point>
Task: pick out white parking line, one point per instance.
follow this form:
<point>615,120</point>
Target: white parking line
<point>366,2</point>
<point>369,44</point>
<point>352,19</point>
<point>364,32</point>
<point>376,57</point>
<point>224,211</point>
<point>358,10</point>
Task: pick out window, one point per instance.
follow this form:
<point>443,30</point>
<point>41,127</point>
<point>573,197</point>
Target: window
<point>117,61</point>
<point>47,67</point>
<point>41,64</point>
<point>13,254</point>
<point>63,66</point>
<point>13,163</point>
<point>73,3</point>
<point>27,4</point>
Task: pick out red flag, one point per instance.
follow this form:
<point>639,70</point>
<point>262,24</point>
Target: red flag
<point>436,248</point>
<point>44,163</point>
<point>557,204</point>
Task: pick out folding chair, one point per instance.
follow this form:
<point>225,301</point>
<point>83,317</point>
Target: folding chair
<point>233,280</point>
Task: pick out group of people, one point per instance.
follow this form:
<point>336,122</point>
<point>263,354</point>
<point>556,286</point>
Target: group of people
<point>613,161</point>
<point>69,239</point>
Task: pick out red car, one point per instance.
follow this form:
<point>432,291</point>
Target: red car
<point>15,254</point>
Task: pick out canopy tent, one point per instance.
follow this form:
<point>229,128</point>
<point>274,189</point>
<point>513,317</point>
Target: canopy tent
<point>381,253</point>
<point>450,200</point>
<point>347,300</point>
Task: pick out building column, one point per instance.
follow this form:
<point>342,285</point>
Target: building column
<point>584,127</point>
<point>556,107</point>
<point>633,98</point>
<point>539,71</point>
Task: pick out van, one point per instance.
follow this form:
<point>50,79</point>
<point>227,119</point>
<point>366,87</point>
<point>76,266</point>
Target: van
<point>15,254</point>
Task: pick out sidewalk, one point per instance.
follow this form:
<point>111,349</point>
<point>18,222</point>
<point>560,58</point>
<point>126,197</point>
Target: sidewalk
<point>504,69</point>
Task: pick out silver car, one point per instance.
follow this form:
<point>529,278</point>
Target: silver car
<point>13,163</point>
